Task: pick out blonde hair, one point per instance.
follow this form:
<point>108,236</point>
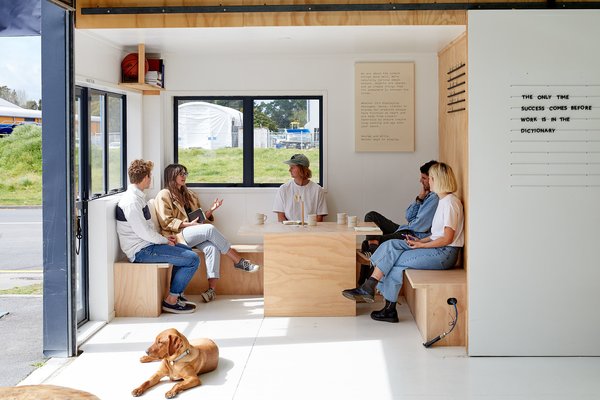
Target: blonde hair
<point>443,177</point>
<point>138,170</point>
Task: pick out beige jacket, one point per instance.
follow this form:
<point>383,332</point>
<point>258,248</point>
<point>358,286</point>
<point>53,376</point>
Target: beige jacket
<point>171,214</point>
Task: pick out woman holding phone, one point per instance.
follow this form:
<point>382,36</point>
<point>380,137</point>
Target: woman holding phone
<point>173,205</point>
<point>438,251</point>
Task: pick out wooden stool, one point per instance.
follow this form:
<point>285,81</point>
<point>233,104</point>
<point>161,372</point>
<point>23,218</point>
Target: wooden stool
<point>140,288</point>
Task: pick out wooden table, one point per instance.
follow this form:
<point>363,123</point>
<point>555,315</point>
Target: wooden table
<point>307,267</point>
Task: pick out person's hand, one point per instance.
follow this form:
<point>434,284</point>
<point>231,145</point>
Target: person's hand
<point>172,240</point>
<point>412,241</point>
<point>216,204</point>
<point>193,222</point>
<point>423,193</point>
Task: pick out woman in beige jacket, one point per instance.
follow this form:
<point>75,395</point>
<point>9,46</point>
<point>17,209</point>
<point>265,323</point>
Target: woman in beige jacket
<point>173,205</point>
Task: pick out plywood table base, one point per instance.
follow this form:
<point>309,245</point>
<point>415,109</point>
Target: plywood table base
<point>307,279</point>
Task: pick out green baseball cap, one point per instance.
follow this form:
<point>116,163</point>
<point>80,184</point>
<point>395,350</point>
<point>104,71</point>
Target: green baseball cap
<point>298,159</point>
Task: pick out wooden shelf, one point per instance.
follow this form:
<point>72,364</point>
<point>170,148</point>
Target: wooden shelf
<point>145,88</point>
<point>141,85</point>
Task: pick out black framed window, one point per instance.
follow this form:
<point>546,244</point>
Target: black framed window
<point>104,127</point>
<point>243,140</point>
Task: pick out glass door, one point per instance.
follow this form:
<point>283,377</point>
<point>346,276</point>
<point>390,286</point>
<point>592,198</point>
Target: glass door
<point>81,194</point>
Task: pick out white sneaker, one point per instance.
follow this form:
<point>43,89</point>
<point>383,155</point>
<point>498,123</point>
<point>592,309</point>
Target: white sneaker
<point>246,266</point>
<point>209,295</point>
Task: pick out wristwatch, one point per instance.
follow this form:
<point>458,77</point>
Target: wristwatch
<point>418,200</point>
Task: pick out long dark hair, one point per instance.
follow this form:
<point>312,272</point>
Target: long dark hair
<point>183,195</point>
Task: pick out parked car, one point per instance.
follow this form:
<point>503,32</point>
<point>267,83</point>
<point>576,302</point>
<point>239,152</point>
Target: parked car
<point>6,129</point>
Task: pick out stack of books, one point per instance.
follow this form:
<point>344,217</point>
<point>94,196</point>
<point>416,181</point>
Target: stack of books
<point>155,74</point>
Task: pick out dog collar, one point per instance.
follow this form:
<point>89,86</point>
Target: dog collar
<point>185,353</point>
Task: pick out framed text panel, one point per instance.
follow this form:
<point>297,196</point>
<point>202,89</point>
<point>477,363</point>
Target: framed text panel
<point>385,106</point>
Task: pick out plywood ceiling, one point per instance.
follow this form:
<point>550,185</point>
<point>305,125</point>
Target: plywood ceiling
<point>284,40</point>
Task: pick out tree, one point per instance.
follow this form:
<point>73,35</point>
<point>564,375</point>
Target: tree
<point>9,95</point>
<point>283,112</point>
<point>31,105</point>
<point>19,98</point>
<point>263,121</point>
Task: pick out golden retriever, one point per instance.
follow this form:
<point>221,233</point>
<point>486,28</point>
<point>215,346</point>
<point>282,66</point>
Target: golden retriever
<point>181,361</point>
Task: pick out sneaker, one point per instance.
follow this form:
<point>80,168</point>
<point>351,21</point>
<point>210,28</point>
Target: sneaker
<point>209,295</point>
<point>366,251</point>
<point>184,299</point>
<point>178,308</point>
<point>364,257</point>
<point>246,266</point>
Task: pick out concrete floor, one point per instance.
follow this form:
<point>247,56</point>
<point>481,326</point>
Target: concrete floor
<point>315,358</point>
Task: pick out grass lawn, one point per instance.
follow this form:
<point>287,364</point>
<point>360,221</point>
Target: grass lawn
<point>226,165</point>
<point>21,166</point>
<point>31,289</point>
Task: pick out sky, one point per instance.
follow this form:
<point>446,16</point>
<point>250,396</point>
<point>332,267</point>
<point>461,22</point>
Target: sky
<point>21,65</point>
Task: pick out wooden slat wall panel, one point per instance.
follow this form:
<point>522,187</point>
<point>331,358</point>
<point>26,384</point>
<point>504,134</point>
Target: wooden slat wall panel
<point>453,127</point>
<point>453,138</point>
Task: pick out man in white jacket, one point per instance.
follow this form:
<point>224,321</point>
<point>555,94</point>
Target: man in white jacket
<point>142,244</point>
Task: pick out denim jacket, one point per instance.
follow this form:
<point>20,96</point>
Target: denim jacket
<point>420,216</point>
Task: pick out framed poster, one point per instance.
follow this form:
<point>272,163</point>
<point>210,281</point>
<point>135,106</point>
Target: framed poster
<point>384,106</point>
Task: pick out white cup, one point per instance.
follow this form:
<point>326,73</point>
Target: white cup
<point>312,219</point>
<point>260,219</point>
<point>341,218</point>
<point>352,221</point>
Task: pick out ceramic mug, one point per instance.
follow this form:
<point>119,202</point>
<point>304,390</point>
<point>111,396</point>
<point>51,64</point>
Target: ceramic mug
<point>312,219</point>
<point>260,218</point>
<point>352,221</point>
<point>341,218</point>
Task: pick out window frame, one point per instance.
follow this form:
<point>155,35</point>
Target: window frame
<point>248,136</point>
<point>86,96</point>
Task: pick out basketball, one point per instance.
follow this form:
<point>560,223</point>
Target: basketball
<point>129,66</point>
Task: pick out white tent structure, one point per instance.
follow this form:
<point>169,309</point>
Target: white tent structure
<point>209,126</point>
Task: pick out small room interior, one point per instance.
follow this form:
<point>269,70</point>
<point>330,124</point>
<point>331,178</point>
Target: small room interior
<point>269,61</point>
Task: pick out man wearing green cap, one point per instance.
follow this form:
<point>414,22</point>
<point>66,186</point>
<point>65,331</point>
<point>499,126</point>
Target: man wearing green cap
<point>289,197</point>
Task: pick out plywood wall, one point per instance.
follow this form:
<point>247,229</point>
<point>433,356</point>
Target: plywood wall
<point>453,118</point>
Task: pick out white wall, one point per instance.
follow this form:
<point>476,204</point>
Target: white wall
<point>533,275</point>
<point>355,182</point>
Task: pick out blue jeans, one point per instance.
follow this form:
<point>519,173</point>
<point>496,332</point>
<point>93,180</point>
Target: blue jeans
<point>185,263</point>
<point>394,256</point>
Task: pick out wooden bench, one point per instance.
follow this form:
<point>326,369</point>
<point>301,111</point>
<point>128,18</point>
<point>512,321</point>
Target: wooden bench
<point>427,292</point>
<point>232,281</point>
<point>141,287</point>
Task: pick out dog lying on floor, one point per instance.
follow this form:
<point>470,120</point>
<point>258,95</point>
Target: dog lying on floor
<point>181,360</point>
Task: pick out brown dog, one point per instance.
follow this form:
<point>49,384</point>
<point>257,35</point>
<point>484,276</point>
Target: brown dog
<point>180,361</point>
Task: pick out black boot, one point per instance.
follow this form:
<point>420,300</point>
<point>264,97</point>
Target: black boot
<point>365,273</point>
<point>365,292</point>
<point>388,313</point>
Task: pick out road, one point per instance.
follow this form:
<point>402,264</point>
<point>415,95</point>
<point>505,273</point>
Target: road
<point>21,239</point>
<point>20,316</point>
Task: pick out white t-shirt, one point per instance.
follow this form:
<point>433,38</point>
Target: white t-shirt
<point>449,213</point>
<point>312,194</point>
